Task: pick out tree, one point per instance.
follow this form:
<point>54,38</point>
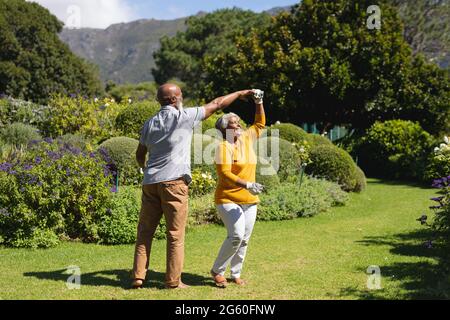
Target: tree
<point>33,61</point>
<point>320,63</point>
<point>183,56</point>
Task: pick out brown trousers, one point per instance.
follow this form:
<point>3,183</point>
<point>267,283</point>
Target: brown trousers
<point>171,199</point>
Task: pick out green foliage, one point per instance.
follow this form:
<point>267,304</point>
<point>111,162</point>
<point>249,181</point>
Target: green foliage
<point>355,76</point>
<point>19,134</point>
<point>441,221</point>
<point>133,92</point>
<point>289,132</point>
<point>183,56</point>
<point>439,161</point>
<point>317,139</point>
<point>282,155</point>
<point>202,183</point>
<point>203,149</point>
<point>53,189</point>
<point>394,149</point>
<point>131,119</point>
<point>34,62</point>
<point>91,118</point>
<point>290,200</point>
<point>334,164</point>
<point>202,210</point>
<point>77,141</point>
<point>122,151</point>
<point>15,110</point>
<point>361,182</point>
<point>266,175</point>
<point>119,223</point>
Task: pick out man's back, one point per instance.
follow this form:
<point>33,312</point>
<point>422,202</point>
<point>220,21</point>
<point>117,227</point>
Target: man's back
<point>167,137</point>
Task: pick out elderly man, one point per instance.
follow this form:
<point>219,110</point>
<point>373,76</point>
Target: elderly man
<point>166,138</point>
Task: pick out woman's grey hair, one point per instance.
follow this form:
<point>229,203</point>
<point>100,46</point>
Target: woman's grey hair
<point>222,122</point>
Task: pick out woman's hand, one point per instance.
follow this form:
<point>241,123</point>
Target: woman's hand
<point>254,188</point>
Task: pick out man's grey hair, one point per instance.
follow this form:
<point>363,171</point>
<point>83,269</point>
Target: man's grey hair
<point>222,122</point>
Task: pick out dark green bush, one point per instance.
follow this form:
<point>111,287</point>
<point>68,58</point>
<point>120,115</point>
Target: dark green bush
<point>361,182</point>
<point>316,140</point>
<point>122,151</point>
<point>19,134</point>
<point>130,120</point>
<point>394,149</point>
<point>289,132</point>
<point>289,159</point>
<point>333,164</point>
<point>52,190</point>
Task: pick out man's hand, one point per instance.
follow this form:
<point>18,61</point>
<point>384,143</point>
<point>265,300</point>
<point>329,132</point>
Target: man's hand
<point>255,188</point>
<point>225,101</point>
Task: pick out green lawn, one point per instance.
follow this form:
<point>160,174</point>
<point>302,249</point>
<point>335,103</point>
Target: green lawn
<point>324,257</point>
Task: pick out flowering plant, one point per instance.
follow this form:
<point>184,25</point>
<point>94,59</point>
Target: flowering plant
<point>202,182</point>
<point>439,162</point>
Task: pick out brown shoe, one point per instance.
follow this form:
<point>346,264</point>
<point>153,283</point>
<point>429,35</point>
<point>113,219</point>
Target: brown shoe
<point>239,281</point>
<point>219,280</point>
<point>137,284</point>
<point>181,285</point>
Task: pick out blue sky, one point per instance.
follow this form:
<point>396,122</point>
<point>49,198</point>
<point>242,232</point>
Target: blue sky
<point>102,13</point>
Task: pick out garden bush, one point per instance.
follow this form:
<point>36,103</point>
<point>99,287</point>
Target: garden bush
<point>441,221</point>
<point>394,149</point>
<point>289,132</point>
<point>316,140</point>
<point>53,190</point>
<point>131,119</point>
<point>16,110</point>
<point>91,118</point>
<point>290,155</point>
<point>202,183</point>
<point>334,164</point>
<point>203,148</point>
<point>19,135</point>
<point>202,210</point>
<point>122,151</point>
<point>439,162</point>
<point>266,175</point>
<point>76,140</point>
<point>290,200</point>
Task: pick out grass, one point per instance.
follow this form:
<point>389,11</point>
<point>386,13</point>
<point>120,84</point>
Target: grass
<point>325,257</point>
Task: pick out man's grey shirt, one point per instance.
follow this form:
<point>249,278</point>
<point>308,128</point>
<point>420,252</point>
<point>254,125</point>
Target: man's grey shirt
<point>168,136</point>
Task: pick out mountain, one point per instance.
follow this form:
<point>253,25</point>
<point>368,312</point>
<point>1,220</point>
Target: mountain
<point>124,51</point>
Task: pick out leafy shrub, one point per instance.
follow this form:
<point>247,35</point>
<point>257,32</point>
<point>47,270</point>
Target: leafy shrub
<point>439,162</point>
<point>361,181</point>
<point>394,149</point>
<point>289,132</point>
<point>266,175</point>
<point>290,155</point>
<point>334,164</point>
<point>202,183</point>
<point>77,141</point>
<point>19,134</point>
<point>441,222</point>
<point>52,190</point>
<point>202,210</point>
<point>118,225</point>
<point>316,140</point>
<point>15,110</point>
<point>131,119</point>
<point>91,118</point>
<point>290,200</point>
<point>135,92</point>
<point>122,151</point>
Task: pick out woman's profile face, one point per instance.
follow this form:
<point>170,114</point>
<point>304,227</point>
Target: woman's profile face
<point>234,124</point>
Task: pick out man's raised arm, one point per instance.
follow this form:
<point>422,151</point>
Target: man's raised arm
<point>224,102</point>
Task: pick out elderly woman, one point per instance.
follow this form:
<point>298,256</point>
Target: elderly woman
<point>236,194</point>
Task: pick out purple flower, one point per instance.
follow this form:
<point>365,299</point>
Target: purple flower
<point>435,207</point>
<point>48,140</point>
<point>113,189</point>
<point>38,160</point>
<point>438,199</point>
<point>67,172</point>
<point>27,167</point>
<point>90,198</point>
<point>6,166</point>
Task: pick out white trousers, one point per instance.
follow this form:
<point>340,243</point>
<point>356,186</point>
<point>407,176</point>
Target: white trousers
<point>239,221</point>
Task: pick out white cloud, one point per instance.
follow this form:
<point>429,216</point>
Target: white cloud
<point>90,13</point>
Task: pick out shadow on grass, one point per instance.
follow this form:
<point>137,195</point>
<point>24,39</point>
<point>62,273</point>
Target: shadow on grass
<point>119,278</point>
<point>418,280</point>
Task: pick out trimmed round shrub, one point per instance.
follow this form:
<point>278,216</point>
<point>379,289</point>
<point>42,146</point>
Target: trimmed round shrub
<point>52,190</point>
<point>333,164</point>
<point>289,132</point>
<point>394,149</point>
<point>130,120</point>
<point>19,134</point>
<point>361,181</point>
<point>289,160</point>
<point>266,175</point>
<point>122,152</point>
<point>316,140</point>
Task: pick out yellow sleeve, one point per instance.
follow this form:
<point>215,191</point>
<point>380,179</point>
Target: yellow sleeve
<point>224,161</point>
<point>255,131</point>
